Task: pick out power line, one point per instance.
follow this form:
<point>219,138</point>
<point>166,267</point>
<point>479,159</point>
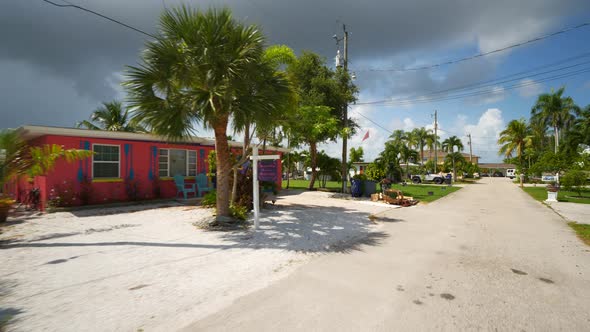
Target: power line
<point>373,122</point>
<point>100,15</point>
<point>479,55</point>
<point>494,90</point>
<point>499,80</point>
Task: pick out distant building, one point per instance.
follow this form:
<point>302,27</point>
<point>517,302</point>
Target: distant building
<point>491,168</point>
<point>429,155</point>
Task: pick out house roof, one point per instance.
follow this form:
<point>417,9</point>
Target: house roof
<point>442,154</point>
<point>496,165</point>
<point>28,132</point>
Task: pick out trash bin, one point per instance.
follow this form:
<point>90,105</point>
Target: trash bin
<point>448,179</point>
<point>356,187</point>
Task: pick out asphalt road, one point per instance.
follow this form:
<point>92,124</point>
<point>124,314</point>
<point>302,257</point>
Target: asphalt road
<point>487,257</point>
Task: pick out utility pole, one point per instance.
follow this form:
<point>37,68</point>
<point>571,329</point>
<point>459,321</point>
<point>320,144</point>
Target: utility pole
<point>345,112</point>
<point>470,149</point>
<point>435,141</point>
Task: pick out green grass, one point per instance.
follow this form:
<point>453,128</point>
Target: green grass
<point>419,192</point>
<point>304,184</point>
<point>583,231</point>
<point>540,194</point>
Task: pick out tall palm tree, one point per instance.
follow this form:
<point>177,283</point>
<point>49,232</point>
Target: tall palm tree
<point>111,116</point>
<point>421,136</point>
<point>448,146</point>
<point>514,139</point>
<point>205,67</point>
<point>407,154</point>
<point>556,111</point>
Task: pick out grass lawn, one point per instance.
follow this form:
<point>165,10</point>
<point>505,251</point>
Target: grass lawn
<point>583,231</point>
<point>540,194</point>
<point>304,184</point>
<point>419,191</point>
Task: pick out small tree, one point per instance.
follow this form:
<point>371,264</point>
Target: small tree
<point>375,172</point>
<point>574,181</point>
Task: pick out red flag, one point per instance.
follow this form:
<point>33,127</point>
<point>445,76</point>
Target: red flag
<point>366,136</point>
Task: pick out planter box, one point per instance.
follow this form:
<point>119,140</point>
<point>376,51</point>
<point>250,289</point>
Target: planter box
<point>551,196</point>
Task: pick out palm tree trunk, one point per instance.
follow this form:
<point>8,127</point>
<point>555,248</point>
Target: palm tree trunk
<point>313,156</point>
<point>223,169</point>
<point>422,155</point>
<point>556,133</point>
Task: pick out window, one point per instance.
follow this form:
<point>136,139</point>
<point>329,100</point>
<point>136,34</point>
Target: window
<point>177,162</point>
<point>105,162</point>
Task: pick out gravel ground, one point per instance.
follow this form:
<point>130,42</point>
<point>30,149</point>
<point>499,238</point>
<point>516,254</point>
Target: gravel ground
<point>149,268</point>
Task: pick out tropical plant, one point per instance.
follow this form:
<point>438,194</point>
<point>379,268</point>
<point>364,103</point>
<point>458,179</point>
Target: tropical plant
<point>407,154</point>
<point>448,146</point>
<point>422,137</point>
<point>554,110</point>
<point>329,167</point>
<point>389,160</point>
<point>111,116</point>
<point>374,172</point>
<point>515,139</point>
<point>205,67</point>
<point>574,180</point>
<point>20,159</point>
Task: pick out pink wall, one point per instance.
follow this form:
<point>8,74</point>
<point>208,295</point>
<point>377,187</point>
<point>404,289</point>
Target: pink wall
<point>138,160</point>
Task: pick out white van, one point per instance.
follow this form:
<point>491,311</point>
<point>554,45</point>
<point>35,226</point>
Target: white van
<point>511,173</point>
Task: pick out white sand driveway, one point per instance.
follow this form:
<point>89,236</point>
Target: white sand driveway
<point>153,270</point>
<point>489,258</point>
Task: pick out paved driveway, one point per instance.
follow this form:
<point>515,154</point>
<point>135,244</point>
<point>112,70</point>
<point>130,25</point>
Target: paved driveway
<point>487,257</point>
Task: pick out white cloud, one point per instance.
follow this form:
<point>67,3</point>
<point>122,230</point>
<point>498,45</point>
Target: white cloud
<point>484,134</point>
<point>530,88</point>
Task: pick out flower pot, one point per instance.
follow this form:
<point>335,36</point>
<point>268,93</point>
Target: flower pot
<point>551,196</point>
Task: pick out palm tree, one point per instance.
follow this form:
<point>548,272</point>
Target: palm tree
<point>431,142</point>
<point>514,139</point>
<point>448,146</point>
<point>204,67</point>
<point>556,111</point>
<point>407,154</point>
<point>111,116</point>
<point>421,136</point>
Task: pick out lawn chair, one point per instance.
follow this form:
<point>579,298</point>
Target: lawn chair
<point>184,188</point>
<point>202,184</point>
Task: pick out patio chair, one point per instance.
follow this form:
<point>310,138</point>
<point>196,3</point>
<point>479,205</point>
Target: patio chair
<point>184,188</point>
<point>202,184</point>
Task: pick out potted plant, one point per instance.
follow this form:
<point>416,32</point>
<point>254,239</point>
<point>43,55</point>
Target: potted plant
<point>552,190</point>
<point>5,204</point>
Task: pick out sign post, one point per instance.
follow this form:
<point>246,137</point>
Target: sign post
<point>256,191</point>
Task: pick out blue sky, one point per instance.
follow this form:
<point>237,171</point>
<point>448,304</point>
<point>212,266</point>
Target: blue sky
<point>59,64</point>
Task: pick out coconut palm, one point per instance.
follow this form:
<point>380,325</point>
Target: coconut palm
<point>111,116</point>
<point>407,154</point>
<point>514,139</point>
<point>421,136</point>
<point>205,67</point>
<point>431,143</point>
<point>448,146</point>
<point>552,109</point>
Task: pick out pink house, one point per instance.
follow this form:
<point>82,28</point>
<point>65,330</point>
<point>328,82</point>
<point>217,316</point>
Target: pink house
<point>125,166</point>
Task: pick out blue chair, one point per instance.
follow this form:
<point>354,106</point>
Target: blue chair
<point>203,184</point>
<point>184,188</point>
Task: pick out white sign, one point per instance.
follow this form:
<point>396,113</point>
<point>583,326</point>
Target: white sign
<point>255,190</point>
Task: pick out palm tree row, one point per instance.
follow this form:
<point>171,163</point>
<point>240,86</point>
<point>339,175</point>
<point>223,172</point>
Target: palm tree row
<point>552,139</point>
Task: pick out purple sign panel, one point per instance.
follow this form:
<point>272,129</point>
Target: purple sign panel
<point>267,170</point>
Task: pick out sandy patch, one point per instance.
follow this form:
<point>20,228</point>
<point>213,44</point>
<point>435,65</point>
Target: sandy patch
<point>152,269</point>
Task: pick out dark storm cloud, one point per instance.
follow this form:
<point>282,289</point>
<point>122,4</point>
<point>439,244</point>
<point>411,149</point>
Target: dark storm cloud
<point>70,57</point>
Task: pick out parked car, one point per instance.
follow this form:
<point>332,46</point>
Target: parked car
<point>498,174</point>
<point>511,173</point>
<point>436,178</point>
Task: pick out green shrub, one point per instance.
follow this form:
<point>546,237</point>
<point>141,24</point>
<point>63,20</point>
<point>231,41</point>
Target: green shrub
<point>239,212</point>
<point>374,172</point>
<point>574,181</point>
<point>210,199</point>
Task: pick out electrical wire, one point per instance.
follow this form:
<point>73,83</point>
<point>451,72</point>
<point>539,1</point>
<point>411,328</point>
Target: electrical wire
<point>494,90</point>
<point>100,15</point>
<point>479,55</point>
<point>498,80</point>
